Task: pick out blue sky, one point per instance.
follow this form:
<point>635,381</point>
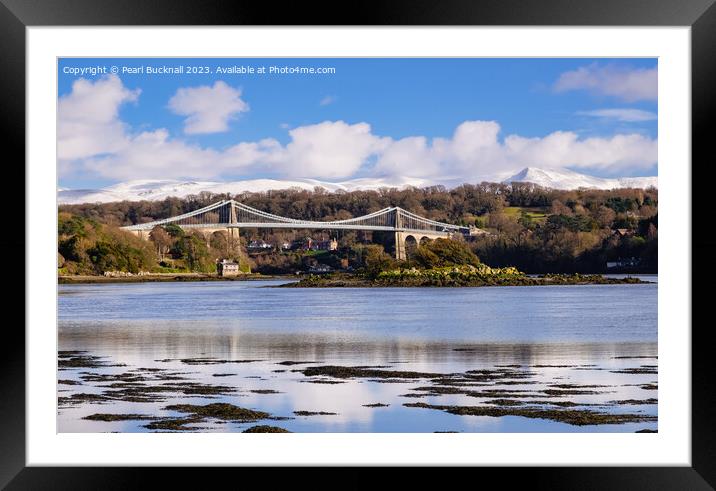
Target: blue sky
<point>462,118</point>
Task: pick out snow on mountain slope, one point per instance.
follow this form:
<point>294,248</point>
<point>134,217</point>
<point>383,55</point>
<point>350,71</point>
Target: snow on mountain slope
<point>156,190</point>
<point>567,179</point>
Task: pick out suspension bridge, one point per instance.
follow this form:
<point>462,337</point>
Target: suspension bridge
<point>230,216</point>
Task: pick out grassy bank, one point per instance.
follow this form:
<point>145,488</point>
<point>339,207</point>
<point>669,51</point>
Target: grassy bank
<point>481,275</point>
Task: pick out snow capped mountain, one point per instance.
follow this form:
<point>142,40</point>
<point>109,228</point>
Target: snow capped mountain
<point>156,190</point>
<point>567,179</point>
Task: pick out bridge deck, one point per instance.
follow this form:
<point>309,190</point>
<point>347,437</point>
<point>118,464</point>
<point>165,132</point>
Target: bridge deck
<point>232,214</point>
<point>313,226</point>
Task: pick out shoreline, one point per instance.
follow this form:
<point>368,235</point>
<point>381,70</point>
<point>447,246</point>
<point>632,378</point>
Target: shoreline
<point>163,277</point>
<point>345,281</point>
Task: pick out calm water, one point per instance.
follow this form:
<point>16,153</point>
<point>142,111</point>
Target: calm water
<point>541,338</point>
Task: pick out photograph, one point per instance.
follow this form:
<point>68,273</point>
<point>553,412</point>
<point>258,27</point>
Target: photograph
<point>357,245</point>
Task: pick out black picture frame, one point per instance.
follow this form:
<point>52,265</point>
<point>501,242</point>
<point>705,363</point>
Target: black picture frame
<point>700,15</point>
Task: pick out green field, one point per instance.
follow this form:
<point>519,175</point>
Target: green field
<point>536,213</point>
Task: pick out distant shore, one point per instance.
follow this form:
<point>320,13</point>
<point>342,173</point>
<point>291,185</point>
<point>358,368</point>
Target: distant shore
<point>164,277</point>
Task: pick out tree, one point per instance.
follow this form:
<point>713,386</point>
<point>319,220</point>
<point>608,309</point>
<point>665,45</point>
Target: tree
<point>162,240</point>
<point>445,252</point>
<point>559,208</point>
<point>426,258</point>
<point>376,260</point>
<point>503,223</point>
<point>219,241</point>
<point>647,211</point>
<point>116,250</point>
<point>604,216</point>
<point>197,253</point>
<point>174,230</point>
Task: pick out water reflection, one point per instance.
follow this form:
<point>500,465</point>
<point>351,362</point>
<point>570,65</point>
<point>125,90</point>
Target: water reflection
<point>570,336</point>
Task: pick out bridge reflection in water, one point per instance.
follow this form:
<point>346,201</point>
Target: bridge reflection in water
<point>231,215</point>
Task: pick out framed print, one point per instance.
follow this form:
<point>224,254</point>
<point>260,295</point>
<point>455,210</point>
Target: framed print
<point>427,239</point>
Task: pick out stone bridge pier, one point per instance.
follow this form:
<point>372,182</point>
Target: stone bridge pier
<point>405,240</point>
<point>142,234</point>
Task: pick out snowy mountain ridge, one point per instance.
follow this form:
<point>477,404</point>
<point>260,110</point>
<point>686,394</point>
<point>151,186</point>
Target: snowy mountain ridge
<point>567,179</point>
<point>157,190</point>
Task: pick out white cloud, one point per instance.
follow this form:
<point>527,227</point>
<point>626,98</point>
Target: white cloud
<point>329,99</point>
<point>475,144</point>
<point>88,118</point>
<point>411,156</point>
<point>563,148</point>
<point>628,84</point>
<point>208,109</point>
<point>621,114</point>
<point>247,155</point>
<point>476,150</point>
<point>331,149</point>
<point>473,150</point>
<point>93,139</point>
<point>154,155</point>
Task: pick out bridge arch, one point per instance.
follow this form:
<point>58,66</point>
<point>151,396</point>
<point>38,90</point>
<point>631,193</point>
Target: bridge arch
<point>425,239</point>
<point>411,244</point>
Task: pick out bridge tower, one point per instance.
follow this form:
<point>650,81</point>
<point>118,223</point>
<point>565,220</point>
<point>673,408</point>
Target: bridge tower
<point>400,253</point>
<point>232,230</point>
